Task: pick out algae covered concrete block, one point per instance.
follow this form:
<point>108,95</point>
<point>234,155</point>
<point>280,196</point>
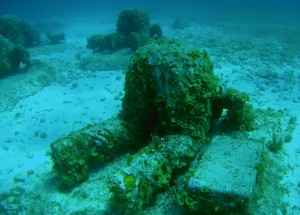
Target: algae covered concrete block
<point>18,31</point>
<point>149,172</point>
<point>11,57</point>
<point>75,154</point>
<point>225,178</point>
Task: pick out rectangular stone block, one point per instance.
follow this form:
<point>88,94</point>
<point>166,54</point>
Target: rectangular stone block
<point>225,177</point>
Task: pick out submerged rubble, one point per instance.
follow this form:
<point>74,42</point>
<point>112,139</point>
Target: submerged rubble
<point>172,108</point>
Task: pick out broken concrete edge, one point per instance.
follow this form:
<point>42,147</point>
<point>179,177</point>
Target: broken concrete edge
<point>269,190</point>
<point>270,170</point>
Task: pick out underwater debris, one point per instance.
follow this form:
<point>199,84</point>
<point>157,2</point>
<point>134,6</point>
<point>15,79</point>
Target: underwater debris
<point>18,31</point>
<point>132,31</point>
<point>74,155</point>
<point>172,100</point>
<point>11,57</point>
<point>55,38</point>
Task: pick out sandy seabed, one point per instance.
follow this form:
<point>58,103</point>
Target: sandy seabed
<point>71,87</point>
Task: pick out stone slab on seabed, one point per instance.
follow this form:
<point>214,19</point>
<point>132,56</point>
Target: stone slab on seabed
<point>225,177</point>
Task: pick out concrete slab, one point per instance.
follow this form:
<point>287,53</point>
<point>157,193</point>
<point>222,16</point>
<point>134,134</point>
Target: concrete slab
<point>225,178</point>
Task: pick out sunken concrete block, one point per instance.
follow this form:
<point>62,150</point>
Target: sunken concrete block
<point>225,177</point>
<point>55,38</point>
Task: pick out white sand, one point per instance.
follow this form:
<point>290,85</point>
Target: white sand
<point>28,130</point>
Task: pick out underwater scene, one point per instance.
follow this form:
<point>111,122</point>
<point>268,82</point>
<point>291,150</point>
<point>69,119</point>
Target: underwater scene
<point>149,107</point>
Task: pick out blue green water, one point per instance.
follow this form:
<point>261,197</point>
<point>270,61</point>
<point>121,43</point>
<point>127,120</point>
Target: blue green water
<point>255,48</point>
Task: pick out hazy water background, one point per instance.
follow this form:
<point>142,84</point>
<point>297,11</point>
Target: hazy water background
<point>268,11</point>
<point>260,13</point>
